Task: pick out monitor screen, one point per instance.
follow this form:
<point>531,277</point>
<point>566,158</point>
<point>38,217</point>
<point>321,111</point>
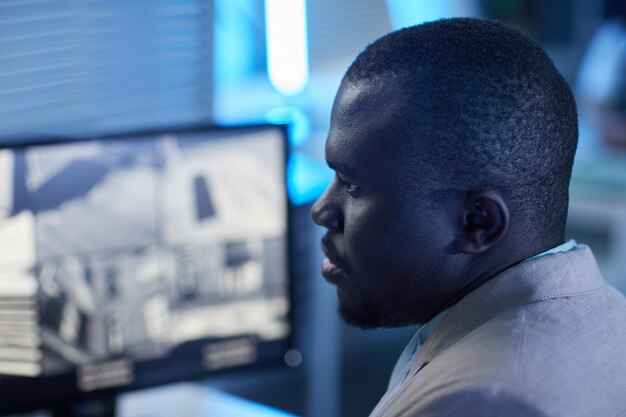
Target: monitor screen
<point>140,259</point>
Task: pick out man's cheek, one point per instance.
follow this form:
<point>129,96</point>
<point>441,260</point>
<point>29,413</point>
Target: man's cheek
<point>368,260</point>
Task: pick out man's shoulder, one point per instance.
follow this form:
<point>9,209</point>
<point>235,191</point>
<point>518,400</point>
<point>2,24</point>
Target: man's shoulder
<point>555,354</point>
<point>492,400</point>
<point>543,341</point>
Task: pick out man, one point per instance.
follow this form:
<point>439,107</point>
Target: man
<point>452,144</point>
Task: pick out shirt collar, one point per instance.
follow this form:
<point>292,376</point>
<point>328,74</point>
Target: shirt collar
<point>563,247</point>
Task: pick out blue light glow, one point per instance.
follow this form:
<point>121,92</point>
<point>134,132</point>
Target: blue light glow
<point>297,120</point>
<point>403,13</point>
<point>287,47</point>
<point>235,54</point>
<point>306,178</point>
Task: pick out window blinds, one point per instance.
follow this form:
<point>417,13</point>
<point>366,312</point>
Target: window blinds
<point>88,67</point>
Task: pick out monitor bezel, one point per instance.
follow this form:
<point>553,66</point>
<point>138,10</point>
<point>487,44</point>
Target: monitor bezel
<point>76,396</point>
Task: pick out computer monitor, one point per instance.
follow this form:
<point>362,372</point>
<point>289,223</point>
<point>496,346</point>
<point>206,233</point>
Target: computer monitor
<point>141,259</point>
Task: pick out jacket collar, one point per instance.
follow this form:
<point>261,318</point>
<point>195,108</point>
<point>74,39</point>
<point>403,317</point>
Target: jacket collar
<point>551,276</point>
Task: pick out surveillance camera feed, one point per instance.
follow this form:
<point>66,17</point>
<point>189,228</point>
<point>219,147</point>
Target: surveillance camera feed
<point>131,261</point>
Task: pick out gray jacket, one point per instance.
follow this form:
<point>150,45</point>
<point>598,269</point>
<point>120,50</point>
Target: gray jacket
<point>546,337</point>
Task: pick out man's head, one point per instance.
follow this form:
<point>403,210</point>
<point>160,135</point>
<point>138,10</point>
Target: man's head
<point>453,144</point>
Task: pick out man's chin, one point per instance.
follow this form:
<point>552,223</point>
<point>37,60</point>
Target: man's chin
<point>366,317</point>
<point>359,321</point>
<point>356,313</point>
<point>371,315</point>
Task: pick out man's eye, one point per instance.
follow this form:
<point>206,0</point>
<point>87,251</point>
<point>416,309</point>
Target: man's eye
<point>351,188</point>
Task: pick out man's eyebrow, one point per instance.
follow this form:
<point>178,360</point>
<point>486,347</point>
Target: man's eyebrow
<point>341,168</point>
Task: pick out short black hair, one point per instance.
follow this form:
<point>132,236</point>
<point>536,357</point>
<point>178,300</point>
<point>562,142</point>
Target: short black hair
<point>488,108</point>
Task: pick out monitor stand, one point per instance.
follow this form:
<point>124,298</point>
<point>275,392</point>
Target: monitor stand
<point>104,407</point>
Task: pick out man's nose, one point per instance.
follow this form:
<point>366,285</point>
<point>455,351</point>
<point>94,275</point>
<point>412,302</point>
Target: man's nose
<point>327,213</point>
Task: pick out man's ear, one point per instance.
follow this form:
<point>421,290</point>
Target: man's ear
<point>484,221</point>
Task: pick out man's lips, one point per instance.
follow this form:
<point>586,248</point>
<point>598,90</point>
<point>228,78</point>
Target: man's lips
<point>331,266</point>
<point>331,271</point>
